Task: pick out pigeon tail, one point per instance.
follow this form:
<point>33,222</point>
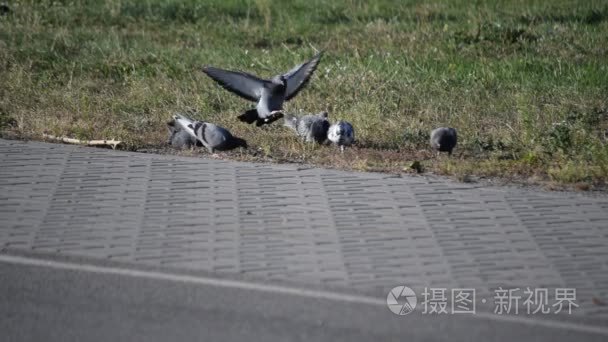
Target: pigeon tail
<point>444,139</point>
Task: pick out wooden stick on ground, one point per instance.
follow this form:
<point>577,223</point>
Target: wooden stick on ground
<point>112,143</point>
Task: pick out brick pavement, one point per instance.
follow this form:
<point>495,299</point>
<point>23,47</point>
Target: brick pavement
<point>365,231</point>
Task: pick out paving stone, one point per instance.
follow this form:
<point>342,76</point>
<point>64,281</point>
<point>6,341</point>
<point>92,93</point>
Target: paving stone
<point>366,231</point>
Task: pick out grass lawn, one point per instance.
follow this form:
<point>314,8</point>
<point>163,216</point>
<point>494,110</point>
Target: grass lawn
<point>525,82</point>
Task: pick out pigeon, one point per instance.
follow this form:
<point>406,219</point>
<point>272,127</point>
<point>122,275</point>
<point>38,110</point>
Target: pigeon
<point>309,127</point>
<point>178,137</point>
<point>444,139</point>
<point>213,137</point>
<point>269,94</point>
<point>342,134</point>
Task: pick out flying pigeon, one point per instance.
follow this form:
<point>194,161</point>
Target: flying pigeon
<point>178,137</point>
<point>444,139</point>
<point>211,136</point>
<point>269,94</point>
<point>309,127</point>
<point>342,134</point>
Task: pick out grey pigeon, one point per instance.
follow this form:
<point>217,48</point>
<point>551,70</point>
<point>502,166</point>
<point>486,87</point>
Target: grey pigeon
<point>309,127</point>
<point>178,137</point>
<point>342,134</point>
<point>269,94</point>
<point>213,137</point>
<point>444,139</point>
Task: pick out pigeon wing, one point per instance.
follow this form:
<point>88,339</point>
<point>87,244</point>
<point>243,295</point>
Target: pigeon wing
<point>299,76</point>
<point>241,83</point>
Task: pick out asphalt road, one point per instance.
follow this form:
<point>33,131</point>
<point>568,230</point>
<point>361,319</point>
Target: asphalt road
<point>39,303</point>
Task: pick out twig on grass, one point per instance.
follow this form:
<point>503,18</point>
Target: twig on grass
<point>112,143</point>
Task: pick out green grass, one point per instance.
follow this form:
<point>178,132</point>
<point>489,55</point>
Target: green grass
<point>524,82</point>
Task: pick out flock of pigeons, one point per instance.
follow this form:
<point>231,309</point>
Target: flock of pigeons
<point>270,94</point>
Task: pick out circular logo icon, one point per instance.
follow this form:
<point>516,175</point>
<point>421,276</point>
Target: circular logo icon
<point>401,300</point>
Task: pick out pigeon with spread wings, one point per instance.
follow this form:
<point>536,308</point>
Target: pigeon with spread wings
<point>269,94</point>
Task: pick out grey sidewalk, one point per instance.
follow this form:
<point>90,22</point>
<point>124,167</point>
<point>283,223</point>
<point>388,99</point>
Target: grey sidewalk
<point>367,232</point>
